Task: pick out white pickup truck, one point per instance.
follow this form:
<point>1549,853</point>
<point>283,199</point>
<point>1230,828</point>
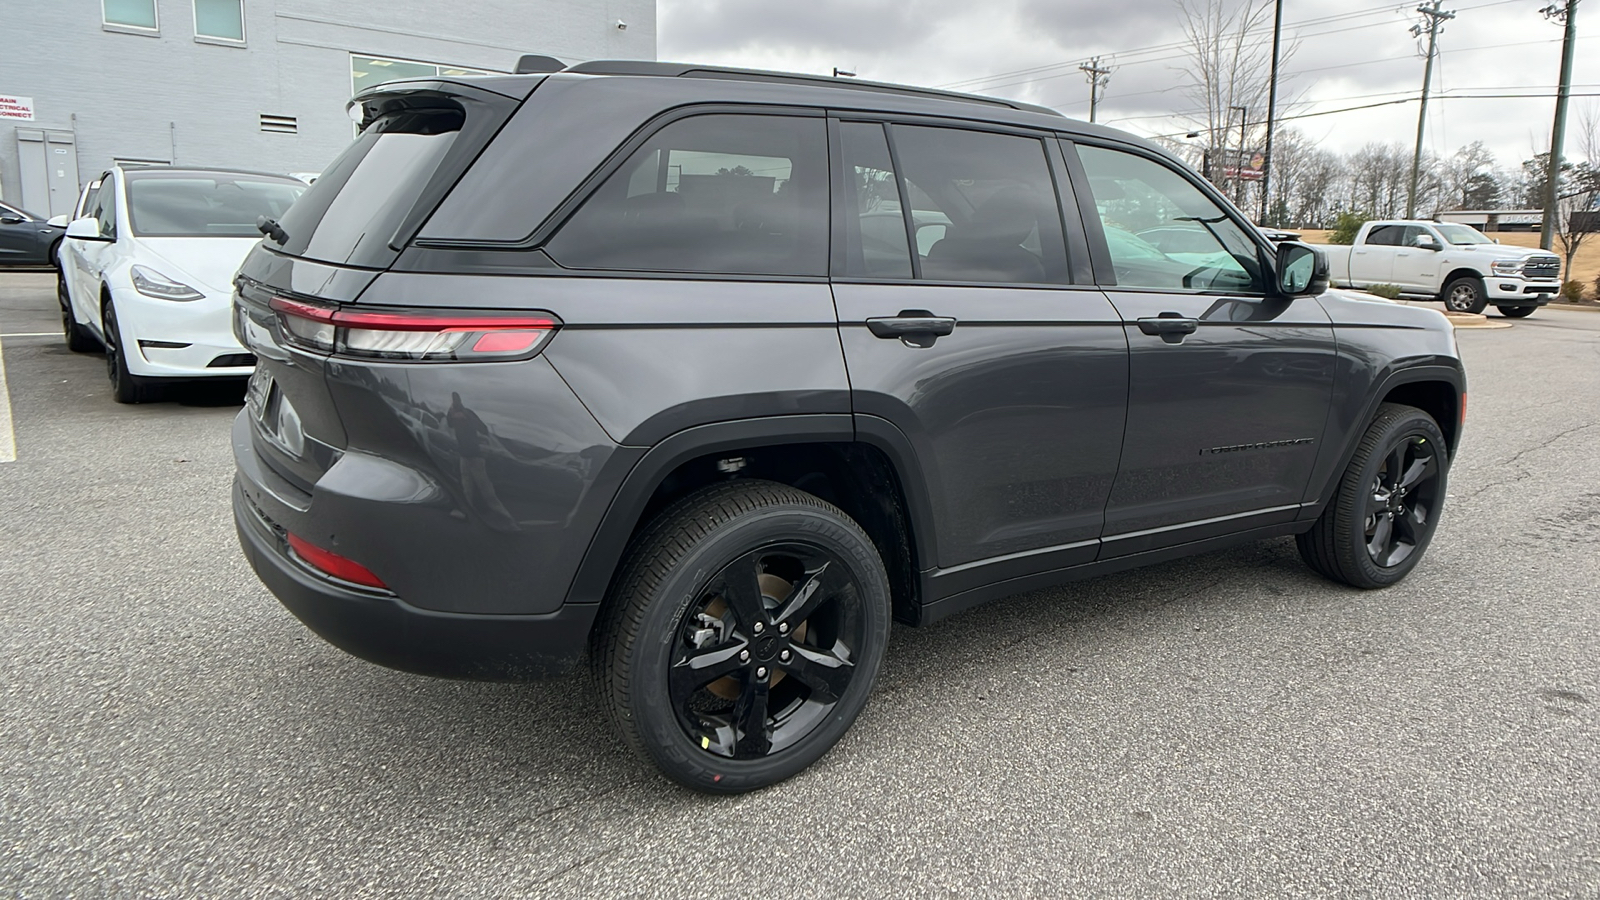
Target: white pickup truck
<point>1454,264</point>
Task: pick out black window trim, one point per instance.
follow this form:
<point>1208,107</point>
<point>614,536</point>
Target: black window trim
<point>1091,214</point>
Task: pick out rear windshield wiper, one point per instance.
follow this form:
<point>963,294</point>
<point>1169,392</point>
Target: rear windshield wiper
<point>272,229</point>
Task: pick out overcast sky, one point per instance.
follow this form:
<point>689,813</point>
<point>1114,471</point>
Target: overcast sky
<point>1350,53</point>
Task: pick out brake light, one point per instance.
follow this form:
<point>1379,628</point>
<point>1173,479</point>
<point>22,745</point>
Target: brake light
<point>432,335</point>
<point>333,564</point>
<point>1463,421</point>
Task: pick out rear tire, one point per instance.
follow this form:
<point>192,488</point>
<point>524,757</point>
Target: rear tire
<point>126,387</point>
<point>1465,295</point>
<point>1516,312</point>
<point>79,338</point>
<point>742,636</point>
<point>1376,527</point>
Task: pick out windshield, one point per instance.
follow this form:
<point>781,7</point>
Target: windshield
<point>1462,234</point>
<point>206,204</point>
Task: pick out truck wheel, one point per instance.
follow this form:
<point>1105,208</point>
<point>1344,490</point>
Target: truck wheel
<point>1465,294</point>
<point>1516,312</point>
<point>743,635</point>
<point>1380,519</point>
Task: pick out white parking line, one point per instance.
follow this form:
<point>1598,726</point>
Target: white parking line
<point>33,334</point>
<point>8,441</point>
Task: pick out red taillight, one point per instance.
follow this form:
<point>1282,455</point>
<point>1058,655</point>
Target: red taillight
<point>411,335</point>
<point>334,564</point>
<point>1463,408</point>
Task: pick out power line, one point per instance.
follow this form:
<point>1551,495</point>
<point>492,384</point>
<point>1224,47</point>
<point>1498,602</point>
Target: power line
<point>1434,19</point>
<point>1098,76</point>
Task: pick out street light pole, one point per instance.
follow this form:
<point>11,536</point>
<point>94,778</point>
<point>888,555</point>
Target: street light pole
<point>1434,16</point>
<point>1568,16</point>
<point>1238,162</point>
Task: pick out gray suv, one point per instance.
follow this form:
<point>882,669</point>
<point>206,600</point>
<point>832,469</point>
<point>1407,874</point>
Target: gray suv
<point>706,375</point>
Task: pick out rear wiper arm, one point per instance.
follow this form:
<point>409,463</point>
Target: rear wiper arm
<point>272,229</point>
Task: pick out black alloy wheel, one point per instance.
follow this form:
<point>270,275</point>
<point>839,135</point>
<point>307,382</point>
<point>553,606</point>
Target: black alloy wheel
<point>1516,312</point>
<point>126,387</point>
<point>78,337</point>
<point>744,635</point>
<point>1465,294</point>
<point>1375,528</point>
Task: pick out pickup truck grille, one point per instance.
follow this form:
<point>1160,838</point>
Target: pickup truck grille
<point>1541,268</point>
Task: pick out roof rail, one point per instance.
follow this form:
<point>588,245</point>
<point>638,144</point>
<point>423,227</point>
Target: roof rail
<point>682,70</point>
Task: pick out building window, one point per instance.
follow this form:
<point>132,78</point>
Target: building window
<point>366,71</point>
<point>140,14</point>
<point>219,20</point>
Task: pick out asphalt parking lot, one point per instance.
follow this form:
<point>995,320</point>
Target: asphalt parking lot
<point>1228,725</point>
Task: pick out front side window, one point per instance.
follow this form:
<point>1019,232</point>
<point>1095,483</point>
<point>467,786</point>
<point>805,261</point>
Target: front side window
<point>728,194</point>
<point>1162,232</point>
<point>129,13</point>
<point>105,210</point>
<point>219,19</point>
<point>210,204</point>
<point>983,206</point>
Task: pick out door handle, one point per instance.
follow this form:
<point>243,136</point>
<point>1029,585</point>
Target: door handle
<point>1171,326</point>
<point>911,323</point>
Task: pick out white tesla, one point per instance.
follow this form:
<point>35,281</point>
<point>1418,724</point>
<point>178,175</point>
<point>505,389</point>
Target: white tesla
<point>148,271</point>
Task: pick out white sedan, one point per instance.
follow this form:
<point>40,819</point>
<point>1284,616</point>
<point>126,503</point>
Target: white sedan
<point>148,271</point>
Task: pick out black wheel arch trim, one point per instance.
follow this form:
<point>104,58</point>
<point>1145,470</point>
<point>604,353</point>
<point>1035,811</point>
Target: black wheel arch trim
<point>645,469</point>
<point>1401,372</point>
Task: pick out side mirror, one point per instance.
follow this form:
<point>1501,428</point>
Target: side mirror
<point>1302,270</point>
<point>56,221</point>
<point>1426,242</point>
<point>9,219</point>
<point>87,229</point>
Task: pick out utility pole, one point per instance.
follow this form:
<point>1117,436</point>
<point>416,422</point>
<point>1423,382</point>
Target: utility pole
<point>1272,111</point>
<point>1569,17</point>
<point>1432,16</point>
<point>1098,77</point>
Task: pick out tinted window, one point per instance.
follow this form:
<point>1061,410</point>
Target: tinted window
<point>1386,235</point>
<point>875,243</point>
<point>984,206</point>
<point>211,204</point>
<point>356,205</point>
<point>105,211</point>
<point>1163,232</point>
<point>724,194</point>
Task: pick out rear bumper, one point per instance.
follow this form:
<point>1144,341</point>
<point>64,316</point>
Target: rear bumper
<point>381,628</point>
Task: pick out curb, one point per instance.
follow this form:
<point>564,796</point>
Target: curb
<point>1581,307</point>
<point>1475,320</point>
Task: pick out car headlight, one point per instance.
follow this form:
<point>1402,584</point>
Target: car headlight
<point>151,283</point>
<point>1506,267</point>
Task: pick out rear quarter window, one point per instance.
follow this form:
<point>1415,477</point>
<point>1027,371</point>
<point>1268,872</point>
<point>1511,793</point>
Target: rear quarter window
<point>725,194</point>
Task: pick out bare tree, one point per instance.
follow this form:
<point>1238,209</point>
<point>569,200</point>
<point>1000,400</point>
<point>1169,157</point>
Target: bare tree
<point>1229,48</point>
<point>1575,209</point>
<point>1470,179</point>
<point>1307,178</point>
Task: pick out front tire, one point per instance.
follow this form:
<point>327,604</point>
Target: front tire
<point>1384,512</point>
<point>126,387</point>
<point>1516,312</point>
<point>1465,294</point>
<point>743,635</point>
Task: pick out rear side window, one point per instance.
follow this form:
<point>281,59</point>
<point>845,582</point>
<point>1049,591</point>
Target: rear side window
<point>983,205</point>
<point>1386,235</point>
<point>724,194</point>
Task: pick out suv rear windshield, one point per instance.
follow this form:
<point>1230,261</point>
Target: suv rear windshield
<point>205,204</point>
<point>390,177</point>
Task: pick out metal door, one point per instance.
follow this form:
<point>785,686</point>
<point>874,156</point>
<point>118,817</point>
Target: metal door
<point>49,166</point>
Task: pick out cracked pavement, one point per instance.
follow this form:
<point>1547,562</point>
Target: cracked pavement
<point>1227,725</point>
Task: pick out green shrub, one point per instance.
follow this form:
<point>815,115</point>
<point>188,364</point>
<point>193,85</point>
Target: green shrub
<point>1346,226</point>
<point>1572,291</point>
<point>1386,291</point>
